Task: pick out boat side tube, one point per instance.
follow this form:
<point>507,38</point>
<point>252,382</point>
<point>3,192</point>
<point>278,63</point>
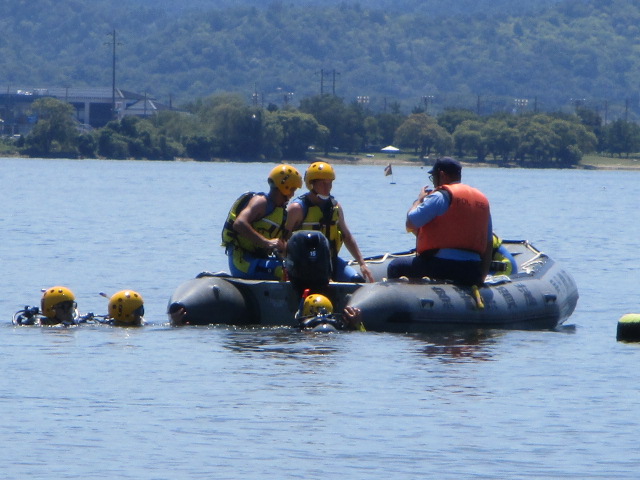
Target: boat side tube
<point>221,299</point>
<point>541,298</point>
<point>209,299</point>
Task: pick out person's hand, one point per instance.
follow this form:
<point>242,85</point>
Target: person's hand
<point>281,246</point>
<point>366,273</point>
<point>424,192</point>
<point>275,245</point>
<point>178,316</point>
<point>353,316</point>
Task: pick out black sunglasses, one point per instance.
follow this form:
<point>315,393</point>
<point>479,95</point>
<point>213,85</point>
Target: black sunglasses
<point>65,305</point>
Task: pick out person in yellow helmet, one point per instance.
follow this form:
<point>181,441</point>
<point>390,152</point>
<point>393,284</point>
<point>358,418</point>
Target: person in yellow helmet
<point>57,307</point>
<point>254,233</point>
<point>316,314</point>
<point>126,309</point>
<point>318,210</point>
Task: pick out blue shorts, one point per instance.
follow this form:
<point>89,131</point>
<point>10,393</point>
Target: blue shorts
<point>342,272</point>
<point>244,265</point>
<point>464,272</point>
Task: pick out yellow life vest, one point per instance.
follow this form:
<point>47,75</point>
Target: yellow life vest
<point>499,263</point>
<point>269,226</point>
<point>323,219</point>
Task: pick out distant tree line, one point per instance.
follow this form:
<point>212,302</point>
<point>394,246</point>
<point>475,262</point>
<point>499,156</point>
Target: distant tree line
<point>226,127</point>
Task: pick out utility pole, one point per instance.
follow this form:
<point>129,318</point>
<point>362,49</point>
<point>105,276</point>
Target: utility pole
<point>334,81</point>
<point>113,43</point>
<point>626,109</point>
<point>321,81</point>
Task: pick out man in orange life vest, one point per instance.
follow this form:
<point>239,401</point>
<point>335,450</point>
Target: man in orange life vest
<point>453,228</point>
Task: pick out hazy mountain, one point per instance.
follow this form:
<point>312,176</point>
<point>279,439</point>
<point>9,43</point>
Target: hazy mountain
<point>483,53</point>
<point>434,7</point>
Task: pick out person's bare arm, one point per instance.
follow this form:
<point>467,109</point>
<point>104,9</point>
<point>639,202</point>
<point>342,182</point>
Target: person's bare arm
<point>294,217</point>
<point>255,210</point>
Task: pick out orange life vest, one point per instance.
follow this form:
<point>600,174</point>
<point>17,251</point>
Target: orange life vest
<point>464,225</point>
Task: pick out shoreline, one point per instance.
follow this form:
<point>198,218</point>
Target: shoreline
<point>402,160</point>
<point>383,161</point>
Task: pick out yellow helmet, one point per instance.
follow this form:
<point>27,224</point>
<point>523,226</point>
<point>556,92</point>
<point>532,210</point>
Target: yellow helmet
<point>316,305</point>
<point>126,306</point>
<point>286,179</point>
<point>52,297</point>
<point>318,171</point>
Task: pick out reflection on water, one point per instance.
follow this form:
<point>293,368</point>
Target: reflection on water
<point>471,345</point>
<point>453,346</point>
<point>279,341</point>
<point>568,329</point>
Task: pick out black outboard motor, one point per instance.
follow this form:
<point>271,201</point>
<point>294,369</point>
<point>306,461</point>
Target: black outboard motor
<point>308,261</point>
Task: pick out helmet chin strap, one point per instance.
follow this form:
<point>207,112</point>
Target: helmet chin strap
<point>321,197</point>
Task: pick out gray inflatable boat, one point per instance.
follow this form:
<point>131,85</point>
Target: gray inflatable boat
<point>542,295</point>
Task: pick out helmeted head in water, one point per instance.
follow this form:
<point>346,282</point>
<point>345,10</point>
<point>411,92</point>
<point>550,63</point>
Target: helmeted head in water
<point>126,307</point>
<point>58,303</point>
<point>316,305</point>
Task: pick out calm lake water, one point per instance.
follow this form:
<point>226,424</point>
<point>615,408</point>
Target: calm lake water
<point>224,403</point>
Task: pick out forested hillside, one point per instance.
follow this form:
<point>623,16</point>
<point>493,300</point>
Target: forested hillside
<point>431,7</point>
<point>550,54</point>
